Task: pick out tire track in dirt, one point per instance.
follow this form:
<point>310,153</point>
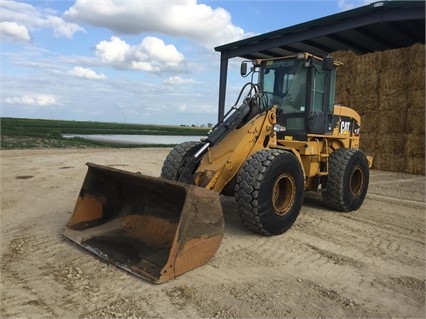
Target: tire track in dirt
<point>351,251</point>
<point>270,292</point>
<point>67,276</point>
<point>372,230</point>
<point>383,250</point>
<point>280,263</point>
<point>16,277</point>
<point>35,255</point>
<point>371,241</point>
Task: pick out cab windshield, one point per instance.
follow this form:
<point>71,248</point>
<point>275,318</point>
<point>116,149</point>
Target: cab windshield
<point>284,84</point>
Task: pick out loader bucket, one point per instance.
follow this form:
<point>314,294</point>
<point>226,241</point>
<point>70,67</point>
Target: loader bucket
<point>154,228</point>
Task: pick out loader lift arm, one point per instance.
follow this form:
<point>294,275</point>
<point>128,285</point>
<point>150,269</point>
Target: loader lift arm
<point>234,118</point>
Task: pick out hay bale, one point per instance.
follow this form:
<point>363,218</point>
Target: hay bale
<point>415,165</point>
<point>417,57</point>
<point>366,83</point>
<point>369,123</point>
<point>393,82</point>
<point>366,63</point>
<point>416,99</point>
<point>415,122</point>
<point>342,98</point>
<point>364,104</point>
<point>392,121</point>
<point>414,145</point>
<point>398,59</point>
<point>370,142</point>
<point>416,79</point>
<point>391,162</point>
<point>345,57</point>
<point>369,104</point>
<point>393,103</point>
<point>391,143</point>
<point>388,90</point>
<point>344,72</point>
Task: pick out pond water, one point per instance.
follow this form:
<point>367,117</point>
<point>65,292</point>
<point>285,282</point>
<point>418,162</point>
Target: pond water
<point>136,139</point>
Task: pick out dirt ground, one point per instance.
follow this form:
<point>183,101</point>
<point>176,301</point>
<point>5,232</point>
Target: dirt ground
<point>369,263</point>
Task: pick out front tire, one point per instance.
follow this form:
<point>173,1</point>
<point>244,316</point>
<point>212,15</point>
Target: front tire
<point>176,160</point>
<point>269,191</point>
<point>348,178</point>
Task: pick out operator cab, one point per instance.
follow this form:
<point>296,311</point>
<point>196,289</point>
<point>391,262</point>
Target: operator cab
<point>302,89</point>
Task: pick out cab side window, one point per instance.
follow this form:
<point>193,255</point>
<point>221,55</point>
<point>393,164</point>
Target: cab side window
<point>317,86</point>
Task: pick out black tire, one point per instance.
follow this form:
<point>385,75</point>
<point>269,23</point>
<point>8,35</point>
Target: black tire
<point>348,178</point>
<point>269,191</point>
<point>177,158</point>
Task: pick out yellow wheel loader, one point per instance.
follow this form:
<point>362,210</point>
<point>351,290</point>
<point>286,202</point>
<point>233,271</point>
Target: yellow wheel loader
<point>283,136</point>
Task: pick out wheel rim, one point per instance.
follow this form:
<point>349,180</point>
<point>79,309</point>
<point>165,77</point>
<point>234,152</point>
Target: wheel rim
<point>356,181</point>
<point>283,194</point>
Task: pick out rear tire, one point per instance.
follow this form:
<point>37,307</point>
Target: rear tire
<point>269,191</point>
<point>348,178</point>
<point>177,159</point>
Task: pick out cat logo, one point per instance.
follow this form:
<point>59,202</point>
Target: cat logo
<point>345,127</point>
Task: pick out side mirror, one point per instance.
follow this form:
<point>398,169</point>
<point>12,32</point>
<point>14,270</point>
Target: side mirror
<point>243,69</point>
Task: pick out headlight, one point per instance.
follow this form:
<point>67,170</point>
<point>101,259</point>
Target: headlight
<point>279,128</point>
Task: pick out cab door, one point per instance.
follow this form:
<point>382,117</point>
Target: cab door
<point>321,89</point>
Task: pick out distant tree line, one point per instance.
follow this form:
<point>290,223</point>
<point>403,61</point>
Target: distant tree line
<point>209,125</point>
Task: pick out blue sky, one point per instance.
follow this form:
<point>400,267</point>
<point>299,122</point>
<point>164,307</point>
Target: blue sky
<point>133,61</point>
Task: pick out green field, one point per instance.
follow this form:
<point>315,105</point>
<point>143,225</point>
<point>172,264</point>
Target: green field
<point>18,133</point>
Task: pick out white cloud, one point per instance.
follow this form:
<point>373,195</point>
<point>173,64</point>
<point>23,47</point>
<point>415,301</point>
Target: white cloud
<point>14,32</point>
<point>112,52</point>
<point>32,19</point>
<point>86,73</point>
<point>350,4</point>
<point>32,100</point>
<point>200,109</point>
<point>183,18</point>
<point>151,55</point>
<point>60,27</point>
<point>177,80</point>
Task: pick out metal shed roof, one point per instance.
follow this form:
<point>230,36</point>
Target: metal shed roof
<point>375,27</point>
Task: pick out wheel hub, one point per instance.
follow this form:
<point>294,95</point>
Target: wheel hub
<point>356,181</point>
<point>283,194</point>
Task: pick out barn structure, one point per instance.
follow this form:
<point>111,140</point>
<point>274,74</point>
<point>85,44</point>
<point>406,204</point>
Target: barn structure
<point>382,46</point>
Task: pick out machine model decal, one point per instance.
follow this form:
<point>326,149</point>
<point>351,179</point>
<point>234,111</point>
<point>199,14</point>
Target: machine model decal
<point>280,64</point>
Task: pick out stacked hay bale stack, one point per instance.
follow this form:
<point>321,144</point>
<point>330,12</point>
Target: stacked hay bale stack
<point>388,90</point>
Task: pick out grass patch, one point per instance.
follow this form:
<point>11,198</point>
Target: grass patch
<point>19,133</point>
<point>54,128</point>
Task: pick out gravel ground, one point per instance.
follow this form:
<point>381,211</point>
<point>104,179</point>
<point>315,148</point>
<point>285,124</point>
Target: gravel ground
<point>368,263</point>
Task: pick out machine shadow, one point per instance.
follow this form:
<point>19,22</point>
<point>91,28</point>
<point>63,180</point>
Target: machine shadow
<point>233,224</point>
<point>313,200</point>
